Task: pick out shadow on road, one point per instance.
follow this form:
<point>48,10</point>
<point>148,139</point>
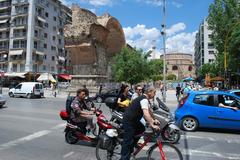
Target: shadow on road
<point>229,131</point>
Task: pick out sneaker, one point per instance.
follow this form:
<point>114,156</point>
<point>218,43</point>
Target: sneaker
<point>90,135</point>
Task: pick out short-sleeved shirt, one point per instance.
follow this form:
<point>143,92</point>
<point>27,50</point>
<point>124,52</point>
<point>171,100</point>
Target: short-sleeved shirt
<point>77,106</point>
<point>134,112</point>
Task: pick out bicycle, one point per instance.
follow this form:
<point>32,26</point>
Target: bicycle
<point>159,150</point>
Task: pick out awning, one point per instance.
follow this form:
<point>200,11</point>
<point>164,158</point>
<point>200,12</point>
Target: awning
<point>15,74</point>
<point>41,19</point>
<point>40,53</point>
<point>15,52</point>
<point>3,21</point>
<point>46,77</point>
<point>3,0</point>
<point>65,76</point>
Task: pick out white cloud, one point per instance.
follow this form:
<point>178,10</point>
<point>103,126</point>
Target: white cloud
<point>145,38</point>
<point>141,37</point>
<point>176,4</point>
<point>175,28</point>
<point>182,42</point>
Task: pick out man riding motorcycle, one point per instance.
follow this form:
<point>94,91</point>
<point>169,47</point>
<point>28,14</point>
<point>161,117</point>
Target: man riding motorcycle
<point>82,112</point>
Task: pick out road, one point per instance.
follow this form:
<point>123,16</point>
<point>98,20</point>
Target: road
<point>32,129</point>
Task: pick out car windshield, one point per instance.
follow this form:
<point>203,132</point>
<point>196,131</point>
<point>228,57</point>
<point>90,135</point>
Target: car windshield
<point>237,93</point>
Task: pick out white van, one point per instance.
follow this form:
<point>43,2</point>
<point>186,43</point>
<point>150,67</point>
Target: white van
<point>27,89</point>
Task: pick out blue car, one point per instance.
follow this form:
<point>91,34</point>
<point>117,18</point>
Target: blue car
<point>203,109</point>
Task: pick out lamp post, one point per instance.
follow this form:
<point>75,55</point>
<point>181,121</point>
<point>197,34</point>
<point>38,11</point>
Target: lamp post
<point>163,32</point>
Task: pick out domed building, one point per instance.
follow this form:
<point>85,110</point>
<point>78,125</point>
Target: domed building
<point>180,64</point>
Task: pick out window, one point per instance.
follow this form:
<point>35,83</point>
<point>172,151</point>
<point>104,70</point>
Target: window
<point>54,28</point>
<point>210,46</point>
<point>53,48</point>
<point>45,35</point>
<point>46,25</point>
<point>174,68</point>
<point>53,38</point>
<point>55,18</point>
<point>18,86</point>
<point>46,14</point>
<point>204,99</point>
<point>44,67</point>
<point>189,68</point>
<point>45,57</point>
<point>52,69</point>
<point>59,41</point>
<point>210,52</point>
<point>45,45</point>
<point>53,58</point>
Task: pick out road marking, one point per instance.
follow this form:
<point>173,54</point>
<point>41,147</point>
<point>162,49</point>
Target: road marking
<point>24,139</point>
<point>230,156</point>
<point>68,154</point>
<point>200,137</point>
<point>59,126</point>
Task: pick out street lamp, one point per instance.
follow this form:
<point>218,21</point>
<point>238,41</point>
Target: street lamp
<point>163,32</point>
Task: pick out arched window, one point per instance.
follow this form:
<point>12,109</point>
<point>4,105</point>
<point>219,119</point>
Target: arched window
<point>189,68</point>
<point>174,68</point>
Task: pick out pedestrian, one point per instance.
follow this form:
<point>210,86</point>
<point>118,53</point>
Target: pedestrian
<point>178,92</point>
<point>123,100</point>
<point>53,89</point>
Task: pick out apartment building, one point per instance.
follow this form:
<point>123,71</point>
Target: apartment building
<point>204,51</point>
<point>31,36</point>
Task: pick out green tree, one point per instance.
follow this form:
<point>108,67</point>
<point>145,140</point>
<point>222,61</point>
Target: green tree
<point>171,77</point>
<point>224,21</point>
<point>155,69</point>
<point>208,68</point>
<point>130,66</point>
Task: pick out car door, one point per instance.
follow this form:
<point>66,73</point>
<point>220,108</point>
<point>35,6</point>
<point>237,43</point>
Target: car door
<point>227,117</point>
<point>18,90</point>
<point>204,108</point>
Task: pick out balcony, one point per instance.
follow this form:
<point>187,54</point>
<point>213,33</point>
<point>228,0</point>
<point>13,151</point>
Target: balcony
<point>4,48</point>
<point>4,38</point>
<point>19,2</point>
<point>19,36</point>
<point>5,15</point>
<point>17,58</point>
<point>20,14</point>
<point>4,27</point>
<point>17,46</point>
<point>5,5</point>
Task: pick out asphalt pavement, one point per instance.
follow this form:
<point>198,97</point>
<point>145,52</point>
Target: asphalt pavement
<point>32,129</point>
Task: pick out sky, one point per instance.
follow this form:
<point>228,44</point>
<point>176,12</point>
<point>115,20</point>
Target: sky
<point>141,21</point>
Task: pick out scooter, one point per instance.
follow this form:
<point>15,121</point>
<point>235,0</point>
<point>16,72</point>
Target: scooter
<point>170,132</point>
<point>74,133</point>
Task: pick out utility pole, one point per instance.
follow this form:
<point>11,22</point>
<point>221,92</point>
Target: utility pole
<point>164,50</point>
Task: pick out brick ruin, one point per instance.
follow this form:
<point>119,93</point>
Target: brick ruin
<point>91,42</point>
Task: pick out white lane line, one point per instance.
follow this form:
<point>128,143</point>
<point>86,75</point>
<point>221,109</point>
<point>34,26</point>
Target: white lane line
<point>24,139</point>
<point>230,156</point>
<point>59,126</point>
<point>200,137</point>
<point>68,154</point>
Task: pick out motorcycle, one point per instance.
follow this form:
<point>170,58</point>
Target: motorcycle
<point>170,132</point>
<point>74,133</point>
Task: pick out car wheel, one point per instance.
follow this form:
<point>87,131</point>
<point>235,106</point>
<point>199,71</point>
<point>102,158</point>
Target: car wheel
<point>99,100</point>
<point>11,94</point>
<point>189,124</point>
<point>29,95</point>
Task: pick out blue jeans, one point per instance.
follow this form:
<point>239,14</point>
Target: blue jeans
<point>129,141</point>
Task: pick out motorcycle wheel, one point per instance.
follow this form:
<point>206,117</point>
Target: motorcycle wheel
<point>71,137</point>
<point>172,136</point>
<point>108,154</point>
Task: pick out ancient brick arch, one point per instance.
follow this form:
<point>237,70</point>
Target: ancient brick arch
<point>92,40</point>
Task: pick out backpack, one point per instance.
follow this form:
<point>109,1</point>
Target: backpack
<point>68,103</point>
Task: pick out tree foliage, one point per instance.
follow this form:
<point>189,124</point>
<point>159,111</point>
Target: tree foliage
<point>224,21</point>
<point>130,66</point>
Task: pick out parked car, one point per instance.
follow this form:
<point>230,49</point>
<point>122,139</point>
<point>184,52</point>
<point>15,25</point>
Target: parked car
<point>100,97</point>
<point>2,100</point>
<point>27,89</point>
<point>201,109</point>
